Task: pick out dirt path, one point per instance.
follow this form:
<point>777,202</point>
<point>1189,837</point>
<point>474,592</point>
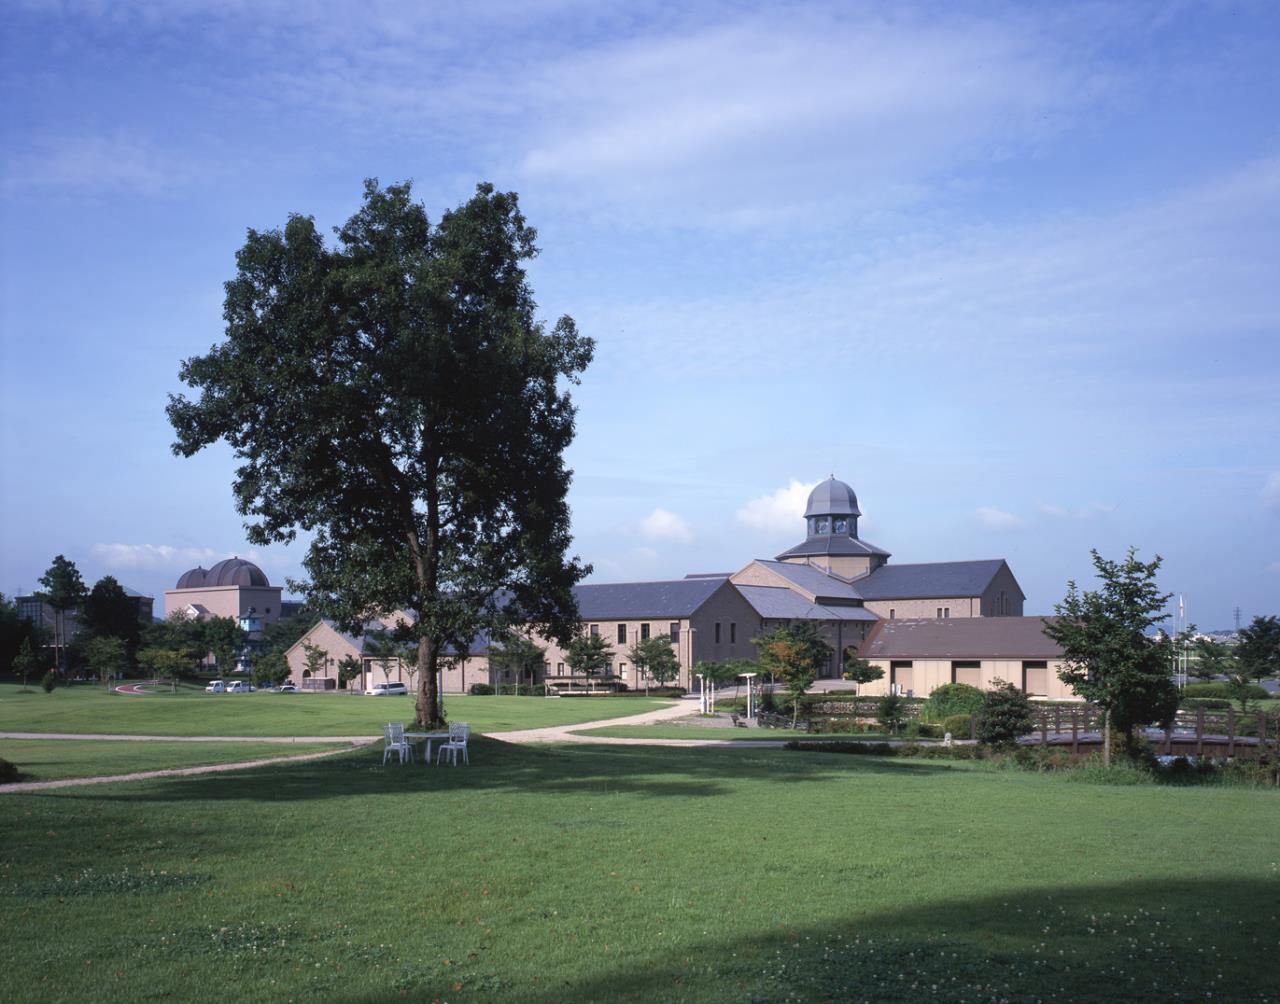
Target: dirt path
<point>144,775</point>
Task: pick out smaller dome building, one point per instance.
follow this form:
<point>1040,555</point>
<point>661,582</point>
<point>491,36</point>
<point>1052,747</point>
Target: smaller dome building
<point>233,588</point>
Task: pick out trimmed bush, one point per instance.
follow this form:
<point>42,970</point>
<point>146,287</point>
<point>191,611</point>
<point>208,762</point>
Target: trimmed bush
<point>8,771</point>
<point>49,681</point>
<point>951,699</point>
<point>1005,715</point>
<point>1223,691</point>
<point>960,726</point>
<point>1191,703</point>
<point>481,690</point>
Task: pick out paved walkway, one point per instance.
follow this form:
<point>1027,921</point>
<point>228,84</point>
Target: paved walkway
<point>144,775</point>
<point>569,733</point>
<point>111,737</point>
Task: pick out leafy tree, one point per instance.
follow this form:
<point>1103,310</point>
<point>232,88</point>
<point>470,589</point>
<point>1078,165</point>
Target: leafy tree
<point>1213,659</point>
<point>514,653</point>
<point>270,669</point>
<point>179,633</point>
<point>282,635</point>
<point>859,670</point>
<point>1005,715</point>
<point>796,652</point>
<point>1258,650</point>
<point>110,613</point>
<point>395,397</point>
<point>1241,688</point>
<point>226,639</point>
<point>348,669</point>
<point>588,654</point>
<point>1107,656</point>
<point>29,661</point>
<point>655,659</point>
<point>63,591</point>
<point>160,662</point>
<point>891,713</point>
<point>14,631</point>
<point>108,656</point>
<point>316,658</point>
<point>383,648</point>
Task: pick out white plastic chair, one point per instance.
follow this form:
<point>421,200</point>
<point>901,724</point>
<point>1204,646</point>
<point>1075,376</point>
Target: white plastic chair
<point>395,742</point>
<point>459,733</point>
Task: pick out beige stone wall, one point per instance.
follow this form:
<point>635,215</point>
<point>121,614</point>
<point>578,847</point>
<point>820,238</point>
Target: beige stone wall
<point>921,676</point>
<point>324,637</point>
<point>228,601</point>
<point>959,606</point>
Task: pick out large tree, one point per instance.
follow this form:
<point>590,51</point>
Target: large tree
<point>588,654</point>
<point>226,639</point>
<point>110,613</point>
<point>655,659</point>
<point>1212,659</point>
<point>395,397</point>
<point>1108,657</point>
<point>513,652</point>
<point>796,652</point>
<point>1258,650</point>
<point>63,591</point>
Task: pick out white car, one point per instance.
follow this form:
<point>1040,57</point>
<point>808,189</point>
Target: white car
<point>288,688</point>
<point>239,687</point>
<point>386,690</point>
<point>216,687</point>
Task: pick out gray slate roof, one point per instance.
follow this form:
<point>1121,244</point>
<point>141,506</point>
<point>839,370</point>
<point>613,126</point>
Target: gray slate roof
<point>780,603</point>
<point>962,638</point>
<point>634,600</point>
<point>833,543</point>
<point>832,498</point>
<point>925,581</point>
<point>814,580</point>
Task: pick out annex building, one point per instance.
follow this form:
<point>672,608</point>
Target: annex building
<point>924,624</point>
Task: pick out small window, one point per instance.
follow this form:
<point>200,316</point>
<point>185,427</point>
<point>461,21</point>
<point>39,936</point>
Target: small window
<point>559,668</point>
<point>622,670</point>
<point>733,633</point>
<point>939,615</point>
<point>717,632</point>
<point>946,611</point>
<point>644,632</point>
<point>969,672</point>
<point>595,630</point>
<point>841,526</point>
<point>674,631</point>
<point>622,634</point>
<point>1035,679</point>
<point>892,613</point>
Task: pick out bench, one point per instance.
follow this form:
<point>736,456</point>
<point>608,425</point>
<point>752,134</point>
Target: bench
<point>740,723</point>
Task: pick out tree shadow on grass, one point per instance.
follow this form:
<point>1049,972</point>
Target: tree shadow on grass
<point>661,772</point>
<point>1201,939</point>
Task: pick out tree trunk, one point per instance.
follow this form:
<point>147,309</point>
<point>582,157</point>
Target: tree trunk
<point>1106,739</point>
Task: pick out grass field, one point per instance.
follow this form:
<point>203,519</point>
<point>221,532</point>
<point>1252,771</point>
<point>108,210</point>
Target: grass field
<point>583,873</point>
<point>193,712</point>
<point>53,759</point>
<point>676,730</point>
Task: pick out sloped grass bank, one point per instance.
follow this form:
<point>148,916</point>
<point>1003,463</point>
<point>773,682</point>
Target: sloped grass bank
<point>619,873</point>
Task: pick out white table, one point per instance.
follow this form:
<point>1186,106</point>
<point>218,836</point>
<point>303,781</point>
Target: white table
<point>428,736</point>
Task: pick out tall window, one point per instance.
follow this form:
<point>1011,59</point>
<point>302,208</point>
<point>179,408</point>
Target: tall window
<point>622,634</point>
<point>939,613</point>
<point>674,631</point>
<point>892,613</point>
<point>717,632</point>
<point>559,668</point>
<point>946,611</point>
<point>622,670</point>
<point>733,632</point>
<point>644,632</point>
<point>595,630</point>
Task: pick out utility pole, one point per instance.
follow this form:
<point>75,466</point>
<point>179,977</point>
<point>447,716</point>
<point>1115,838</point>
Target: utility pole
<point>1237,613</point>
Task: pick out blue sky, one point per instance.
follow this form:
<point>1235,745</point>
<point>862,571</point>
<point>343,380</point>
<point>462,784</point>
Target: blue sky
<point>1008,269</point>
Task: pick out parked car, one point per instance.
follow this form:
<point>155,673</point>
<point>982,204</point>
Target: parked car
<point>386,690</point>
<point>216,687</point>
<point>288,688</point>
<point>239,687</point>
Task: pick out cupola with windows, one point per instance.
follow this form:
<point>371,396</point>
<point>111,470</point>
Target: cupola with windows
<point>831,518</point>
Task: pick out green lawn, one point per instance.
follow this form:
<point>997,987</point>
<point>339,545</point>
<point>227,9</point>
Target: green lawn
<point>52,759</point>
<point>585,873</point>
<point>193,712</point>
<point>675,730</point>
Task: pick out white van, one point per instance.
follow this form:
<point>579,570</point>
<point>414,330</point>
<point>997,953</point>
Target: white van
<point>216,687</point>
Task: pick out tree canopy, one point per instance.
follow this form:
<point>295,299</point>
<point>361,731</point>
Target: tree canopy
<point>1258,651</point>
<point>796,652</point>
<point>395,397</point>
<point>655,659</point>
<point>1108,657</point>
<point>588,654</point>
<point>858,670</point>
<point>63,590</point>
<point>110,613</point>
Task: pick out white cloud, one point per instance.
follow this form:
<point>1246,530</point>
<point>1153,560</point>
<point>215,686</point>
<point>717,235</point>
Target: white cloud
<point>998,519</point>
<point>662,524</point>
<point>781,512</point>
<point>1081,512</point>
<point>109,164</point>
<point>1271,492</point>
<point>157,556</point>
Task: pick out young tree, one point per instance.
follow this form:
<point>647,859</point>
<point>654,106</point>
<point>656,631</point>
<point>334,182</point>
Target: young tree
<point>1108,658</point>
<point>514,653</point>
<point>270,669</point>
<point>1258,650</point>
<point>1005,715</point>
<point>348,670</point>
<point>316,658</point>
<point>29,661</point>
<point>588,654</point>
<point>110,613</point>
<point>858,669</point>
<point>655,659</point>
<point>1212,660</point>
<point>63,591</point>
<point>108,656</point>
<point>384,650</point>
<point>891,713</point>
<point>796,652</point>
<point>161,663</point>
<point>395,397</point>
<point>225,639</point>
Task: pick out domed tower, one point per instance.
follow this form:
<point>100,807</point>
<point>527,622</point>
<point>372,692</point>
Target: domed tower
<point>231,588</point>
<point>236,572</point>
<point>191,579</point>
<point>832,543</point>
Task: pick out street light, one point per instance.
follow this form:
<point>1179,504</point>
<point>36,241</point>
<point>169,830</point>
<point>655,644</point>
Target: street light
<point>750,677</point>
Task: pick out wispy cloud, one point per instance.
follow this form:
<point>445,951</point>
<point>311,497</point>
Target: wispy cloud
<point>998,519</point>
<point>663,525</point>
<point>157,556</point>
<point>94,164</point>
<point>1088,511</point>
<point>780,512</point>
<point>1271,492</point>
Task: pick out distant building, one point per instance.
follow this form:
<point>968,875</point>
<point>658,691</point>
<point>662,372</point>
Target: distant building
<point>37,611</point>
<point>232,588</point>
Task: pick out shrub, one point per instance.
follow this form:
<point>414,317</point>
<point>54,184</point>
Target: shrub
<point>481,690</point>
<point>49,681</point>
<point>922,730</point>
<point>8,771</point>
<point>1005,715</point>
<point>1191,703</point>
<point>960,726</point>
<point>1223,691</point>
<point>891,713</point>
<point>951,699</point>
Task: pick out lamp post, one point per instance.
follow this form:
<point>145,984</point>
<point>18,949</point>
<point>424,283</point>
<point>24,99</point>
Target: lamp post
<point>751,704</point>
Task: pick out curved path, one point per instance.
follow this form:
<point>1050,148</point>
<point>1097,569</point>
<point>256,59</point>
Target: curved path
<point>570,733</point>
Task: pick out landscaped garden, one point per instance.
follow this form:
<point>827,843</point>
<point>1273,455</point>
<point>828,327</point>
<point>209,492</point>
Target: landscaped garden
<point>595,872</point>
